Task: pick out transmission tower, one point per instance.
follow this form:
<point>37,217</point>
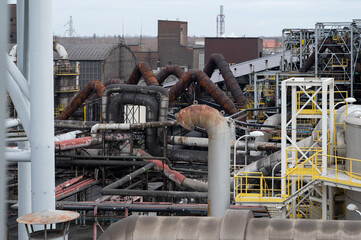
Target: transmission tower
<point>70,32</point>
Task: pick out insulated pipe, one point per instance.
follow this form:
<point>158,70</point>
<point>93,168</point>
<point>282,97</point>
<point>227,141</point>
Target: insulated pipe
<point>18,77</point>
<point>12,122</point>
<point>60,50</point>
<point>272,120</point>
<point>22,105</point>
<point>116,107</point>
<point>4,23</point>
<point>160,92</point>
<point>89,88</point>
<point>154,193</point>
<point>67,136</point>
<point>235,225</point>
<point>266,164</point>
<point>42,105</point>
<point>211,88</point>
<point>129,177</point>
<point>173,175</point>
<point>23,156</point>
<point>167,71</point>
<point>129,126</point>
<point>108,82</point>
<point>218,153</point>
<point>74,124</point>
<point>203,142</point>
<point>217,60</point>
<point>87,141</point>
<point>142,69</point>
<point>13,53</point>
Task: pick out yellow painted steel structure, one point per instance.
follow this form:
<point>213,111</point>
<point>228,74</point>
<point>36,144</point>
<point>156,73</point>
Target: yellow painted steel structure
<point>66,70</point>
<point>254,187</point>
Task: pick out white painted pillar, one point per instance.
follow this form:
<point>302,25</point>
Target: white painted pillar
<point>283,133</point>
<point>24,168</point>
<point>324,120</point>
<point>42,105</point>
<point>324,202</point>
<point>4,23</point>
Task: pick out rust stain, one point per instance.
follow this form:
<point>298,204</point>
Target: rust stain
<point>142,69</point>
<point>89,88</point>
<point>48,217</point>
<point>211,88</point>
<point>217,60</point>
<point>167,71</point>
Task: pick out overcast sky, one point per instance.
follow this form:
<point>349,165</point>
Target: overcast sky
<point>249,18</point>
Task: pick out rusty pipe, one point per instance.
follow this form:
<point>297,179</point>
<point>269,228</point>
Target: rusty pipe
<point>142,69</point>
<point>211,88</point>
<point>89,88</point>
<point>219,136</point>
<point>108,82</point>
<point>167,71</point>
<point>217,60</point>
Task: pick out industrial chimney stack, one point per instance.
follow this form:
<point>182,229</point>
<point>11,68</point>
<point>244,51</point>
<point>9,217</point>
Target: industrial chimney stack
<point>221,27</point>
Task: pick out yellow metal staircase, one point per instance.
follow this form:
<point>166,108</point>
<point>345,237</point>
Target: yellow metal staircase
<point>302,175</point>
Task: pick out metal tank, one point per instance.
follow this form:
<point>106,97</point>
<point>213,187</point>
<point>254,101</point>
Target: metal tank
<point>353,140</point>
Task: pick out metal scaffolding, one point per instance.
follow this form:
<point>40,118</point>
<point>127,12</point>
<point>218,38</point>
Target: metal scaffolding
<point>300,43</point>
<point>337,48</point>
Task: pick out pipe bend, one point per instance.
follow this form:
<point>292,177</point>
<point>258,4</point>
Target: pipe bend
<point>203,116</point>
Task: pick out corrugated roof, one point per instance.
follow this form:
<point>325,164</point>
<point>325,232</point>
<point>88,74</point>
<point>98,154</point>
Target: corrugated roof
<point>87,51</point>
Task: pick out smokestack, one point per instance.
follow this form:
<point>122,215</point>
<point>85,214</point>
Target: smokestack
<point>221,27</point>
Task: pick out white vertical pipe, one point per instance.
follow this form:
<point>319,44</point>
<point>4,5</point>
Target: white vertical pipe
<point>42,105</point>
<point>24,168</point>
<point>21,104</point>
<point>294,121</point>
<point>283,133</point>
<point>324,127</point>
<point>324,202</point>
<point>4,22</point>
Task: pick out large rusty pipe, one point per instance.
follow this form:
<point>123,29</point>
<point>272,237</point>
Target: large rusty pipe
<point>217,60</point>
<point>219,136</point>
<point>108,82</point>
<point>211,88</point>
<point>89,88</point>
<point>167,71</point>
<point>142,69</point>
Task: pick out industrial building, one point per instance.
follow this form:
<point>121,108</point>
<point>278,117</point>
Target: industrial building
<point>200,157</point>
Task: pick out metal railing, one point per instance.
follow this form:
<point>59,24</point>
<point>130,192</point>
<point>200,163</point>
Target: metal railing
<point>301,169</point>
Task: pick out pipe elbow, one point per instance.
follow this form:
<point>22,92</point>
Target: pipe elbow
<point>60,50</point>
<point>203,116</point>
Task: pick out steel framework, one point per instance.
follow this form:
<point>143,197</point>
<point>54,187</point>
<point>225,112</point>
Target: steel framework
<point>300,43</point>
<point>337,48</point>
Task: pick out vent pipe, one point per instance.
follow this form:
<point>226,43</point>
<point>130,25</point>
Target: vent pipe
<point>219,136</point>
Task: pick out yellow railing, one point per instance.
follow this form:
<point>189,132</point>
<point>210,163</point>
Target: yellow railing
<point>69,69</point>
<point>255,187</point>
<point>311,108</point>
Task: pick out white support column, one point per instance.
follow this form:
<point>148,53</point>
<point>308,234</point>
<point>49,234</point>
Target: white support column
<point>332,118</point>
<point>24,168</point>
<point>4,23</point>
<point>324,120</point>
<point>42,105</point>
<point>324,202</point>
<point>294,122</point>
<point>283,133</point>
<point>331,202</point>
